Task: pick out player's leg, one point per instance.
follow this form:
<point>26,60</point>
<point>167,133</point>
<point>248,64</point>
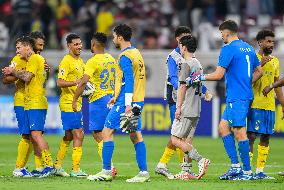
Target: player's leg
<point>39,165</point>
<point>112,123</point>
<point>36,122</point>
<point>229,145</point>
<point>180,131</point>
<point>252,129</point>
<point>97,134</point>
<point>140,149</point>
<point>24,146</point>
<point>251,137</point>
<point>61,153</point>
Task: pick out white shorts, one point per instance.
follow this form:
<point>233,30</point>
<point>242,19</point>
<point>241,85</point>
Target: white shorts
<point>185,128</point>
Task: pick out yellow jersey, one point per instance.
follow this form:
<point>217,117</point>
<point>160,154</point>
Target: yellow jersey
<point>35,95</point>
<point>19,64</point>
<point>270,70</point>
<point>101,70</point>
<point>70,69</point>
<point>139,74</point>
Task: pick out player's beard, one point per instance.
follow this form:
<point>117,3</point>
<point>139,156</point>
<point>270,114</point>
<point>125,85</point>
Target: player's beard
<point>267,50</point>
<point>116,45</point>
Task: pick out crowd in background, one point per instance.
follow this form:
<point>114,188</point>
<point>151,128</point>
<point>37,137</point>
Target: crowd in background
<point>153,20</point>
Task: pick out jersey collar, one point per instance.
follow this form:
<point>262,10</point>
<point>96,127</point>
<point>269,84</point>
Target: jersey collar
<point>130,47</point>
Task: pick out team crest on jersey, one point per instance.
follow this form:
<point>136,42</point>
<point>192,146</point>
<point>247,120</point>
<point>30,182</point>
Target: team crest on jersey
<point>62,71</point>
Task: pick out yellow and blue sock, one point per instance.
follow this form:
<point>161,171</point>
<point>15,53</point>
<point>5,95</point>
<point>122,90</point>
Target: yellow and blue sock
<point>76,158</point>
<point>244,154</point>
<point>47,159</point>
<point>230,147</point>
<point>107,151</point>
<point>140,149</point>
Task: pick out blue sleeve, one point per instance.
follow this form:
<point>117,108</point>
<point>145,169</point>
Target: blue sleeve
<point>204,89</point>
<point>226,56</point>
<point>126,66</point>
<point>256,61</point>
<point>173,72</point>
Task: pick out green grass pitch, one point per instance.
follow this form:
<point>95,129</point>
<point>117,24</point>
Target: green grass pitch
<point>124,160</point>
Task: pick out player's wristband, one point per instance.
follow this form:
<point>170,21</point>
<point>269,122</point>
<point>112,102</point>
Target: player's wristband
<point>128,99</point>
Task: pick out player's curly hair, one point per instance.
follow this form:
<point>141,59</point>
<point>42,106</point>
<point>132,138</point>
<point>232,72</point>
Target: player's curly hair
<point>261,35</point>
<point>190,42</point>
<point>182,30</point>
<point>37,34</point>
<point>100,37</point>
<point>229,25</point>
<point>124,31</point>
<point>71,37</point>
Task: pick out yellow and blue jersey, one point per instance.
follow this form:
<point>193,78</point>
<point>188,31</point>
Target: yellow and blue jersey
<point>70,69</point>
<point>130,76</point>
<point>35,95</point>
<point>270,70</point>
<point>19,64</point>
<point>101,70</point>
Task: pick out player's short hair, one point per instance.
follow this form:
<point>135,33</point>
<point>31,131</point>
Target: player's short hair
<point>261,35</point>
<point>100,38</point>
<point>27,41</point>
<point>37,34</point>
<point>124,31</point>
<point>71,37</point>
<point>229,25</point>
<point>182,30</point>
<point>189,42</point>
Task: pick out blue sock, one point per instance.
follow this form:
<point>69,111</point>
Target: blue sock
<point>107,154</point>
<point>244,154</point>
<point>230,147</point>
<point>140,149</point>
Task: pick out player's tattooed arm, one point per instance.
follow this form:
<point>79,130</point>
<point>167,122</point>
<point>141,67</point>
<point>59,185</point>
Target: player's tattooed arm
<point>9,79</point>
<point>23,75</point>
<point>257,74</point>
<point>279,95</point>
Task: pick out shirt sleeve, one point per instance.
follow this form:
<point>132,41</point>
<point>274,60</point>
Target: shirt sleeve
<point>277,70</point>
<point>173,72</point>
<point>63,70</point>
<point>183,72</point>
<point>126,66</point>
<point>32,65</point>
<point>225,58</point>
<point>256,62</point>
<point>89,68</point>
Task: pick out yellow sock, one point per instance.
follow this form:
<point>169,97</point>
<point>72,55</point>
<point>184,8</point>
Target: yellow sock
<point>261,156</point>
<point>167,155</point>
<point>250,157</point>
<point>100,149</point>
<point>76,158</point>
<point>180,154</point>
<point>23,152</point>
<point>29,152</point>
<point>63,147</point>
<point>46,157</point>
<point>38,162</point>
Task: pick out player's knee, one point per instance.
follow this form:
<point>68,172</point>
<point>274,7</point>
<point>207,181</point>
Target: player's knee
<point>68,136</point>
<point>240,133</point>
<point>27,137</point>
<point>224,129</point>
<point>264,140</point>
<point>174,140</point>
<point>97,136</point>
<point>251,136</point>
<point>35,136</point>
<point>107,134</point>
<point>78,135</point>
<point>136,137</point>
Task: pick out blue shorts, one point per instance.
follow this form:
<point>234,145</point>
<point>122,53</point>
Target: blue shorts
<point>71,120</point>
<point>236,113</point>
<point>98,111</point>
<point>113,117</point>
<point>172,107</point>
<point>261,121</point>
<point>35,119</point>
<point>20,115</point>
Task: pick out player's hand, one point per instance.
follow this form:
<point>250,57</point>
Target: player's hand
<point>128,110</point>
<point>74,105</point>
<point>76,82</point>
<point>266,90</point>
<point>265,59</point>
<point>46,67</point>
<point>178,113</point>
<point>7,70</point>
<point>208,96</point>
<point>111,103</point>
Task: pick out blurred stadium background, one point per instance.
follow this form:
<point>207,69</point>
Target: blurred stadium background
<point>153,22</point>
